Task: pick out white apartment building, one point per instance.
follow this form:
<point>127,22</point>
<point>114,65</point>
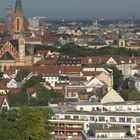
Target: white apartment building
<point>125,114</point>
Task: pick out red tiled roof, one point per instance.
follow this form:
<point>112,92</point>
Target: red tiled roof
<point>33,39</point>
<point>48,62</point>
<point>42,52</point>
<point>2,85</point>
<point>91,73</point>
<point>2,99</point>
<point>103,59</point>
<point>56,69</point>
<point>50,39</point>
<point>2,27</point>
<point>15,90</point>
<point>78,78</point>
<point>73,90</point>
<point>31,90</point>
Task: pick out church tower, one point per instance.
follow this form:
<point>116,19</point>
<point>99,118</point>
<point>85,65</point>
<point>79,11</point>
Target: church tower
<point>21,42</point>
<point>18,25</point>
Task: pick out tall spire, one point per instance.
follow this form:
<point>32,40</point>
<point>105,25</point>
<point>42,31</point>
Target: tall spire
<point>18,8</point>
<point>18,24</point>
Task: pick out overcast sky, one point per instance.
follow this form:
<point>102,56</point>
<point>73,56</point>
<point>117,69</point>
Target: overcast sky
<point>77,9</point>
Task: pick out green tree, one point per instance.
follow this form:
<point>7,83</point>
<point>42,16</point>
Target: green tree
<point>22,74</point>
<point>131,94</point>
<point>32,81</point>
<point>43,94</point>
<point>18,99</point>
<point>31,124</point>
<point>8,130</point>
<point>117,77</point>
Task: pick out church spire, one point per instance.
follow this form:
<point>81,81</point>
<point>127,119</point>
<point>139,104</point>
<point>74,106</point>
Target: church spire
<point>18,25</point>
<point>18,7</point>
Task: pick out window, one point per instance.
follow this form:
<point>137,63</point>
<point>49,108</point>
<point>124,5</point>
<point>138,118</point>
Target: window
<point>93,108</point>
<point>97,108</point>
<point>75,117</point>
<point>129,119</point>
<point>101,118</point>
<point>112,119</point>
<point>67,117</point>
<point>18,24</point>
<point>121,43</point>
<point>69,94</point>
<point>81,108</point>
<point>91,118</point>
<point>121,119</point>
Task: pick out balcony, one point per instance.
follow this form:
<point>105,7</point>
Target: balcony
<point>68,128</point>
<point>56,136</point>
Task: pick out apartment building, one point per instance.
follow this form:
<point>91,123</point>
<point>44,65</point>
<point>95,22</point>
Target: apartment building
<point>123,118</point>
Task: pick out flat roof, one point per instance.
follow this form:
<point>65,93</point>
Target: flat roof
<point>75,112</point>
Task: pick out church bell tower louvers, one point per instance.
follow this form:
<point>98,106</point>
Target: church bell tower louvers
<point>18,25</point>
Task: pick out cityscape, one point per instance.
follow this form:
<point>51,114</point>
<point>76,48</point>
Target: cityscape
<point>73,78</point>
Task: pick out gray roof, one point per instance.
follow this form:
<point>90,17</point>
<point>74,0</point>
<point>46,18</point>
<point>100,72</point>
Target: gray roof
<point>86,103</point>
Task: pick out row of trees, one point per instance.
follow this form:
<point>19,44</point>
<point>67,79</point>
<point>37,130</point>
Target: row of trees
<point>25,124</point>
<point>42,97</point>
<point>74,50</point>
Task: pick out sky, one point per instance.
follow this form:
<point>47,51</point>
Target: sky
<point>77,9</point>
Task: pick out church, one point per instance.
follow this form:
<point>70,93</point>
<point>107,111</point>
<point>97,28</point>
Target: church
<point>14,51</point>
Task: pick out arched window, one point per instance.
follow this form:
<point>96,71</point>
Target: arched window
<point>18,24</point>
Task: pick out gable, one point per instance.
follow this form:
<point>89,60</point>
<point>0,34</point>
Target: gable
<point>7,56</point>
<point>95,82</point>
<point>111,97</point>
<point>8,51</point>
<point>111,61</point>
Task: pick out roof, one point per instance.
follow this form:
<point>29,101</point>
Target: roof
<point>77,79</point>
<point>33,39</point>
<point>55,100</point>
<point>104,59</point>
<point>75,112</point>
<point>15,90</point>
<point>31,90</point>
<point>83,103</point>
<point>91,73</point>
<point>55,70</point>
<point>50,39</point>
<point>2,27</point>
<point>7,56</point>
<point>18,7</point>
<point>42,52</point>
<point>2,85</point>
<point>14,43</point>
<point>2,99</point>
<point>46,62</point>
